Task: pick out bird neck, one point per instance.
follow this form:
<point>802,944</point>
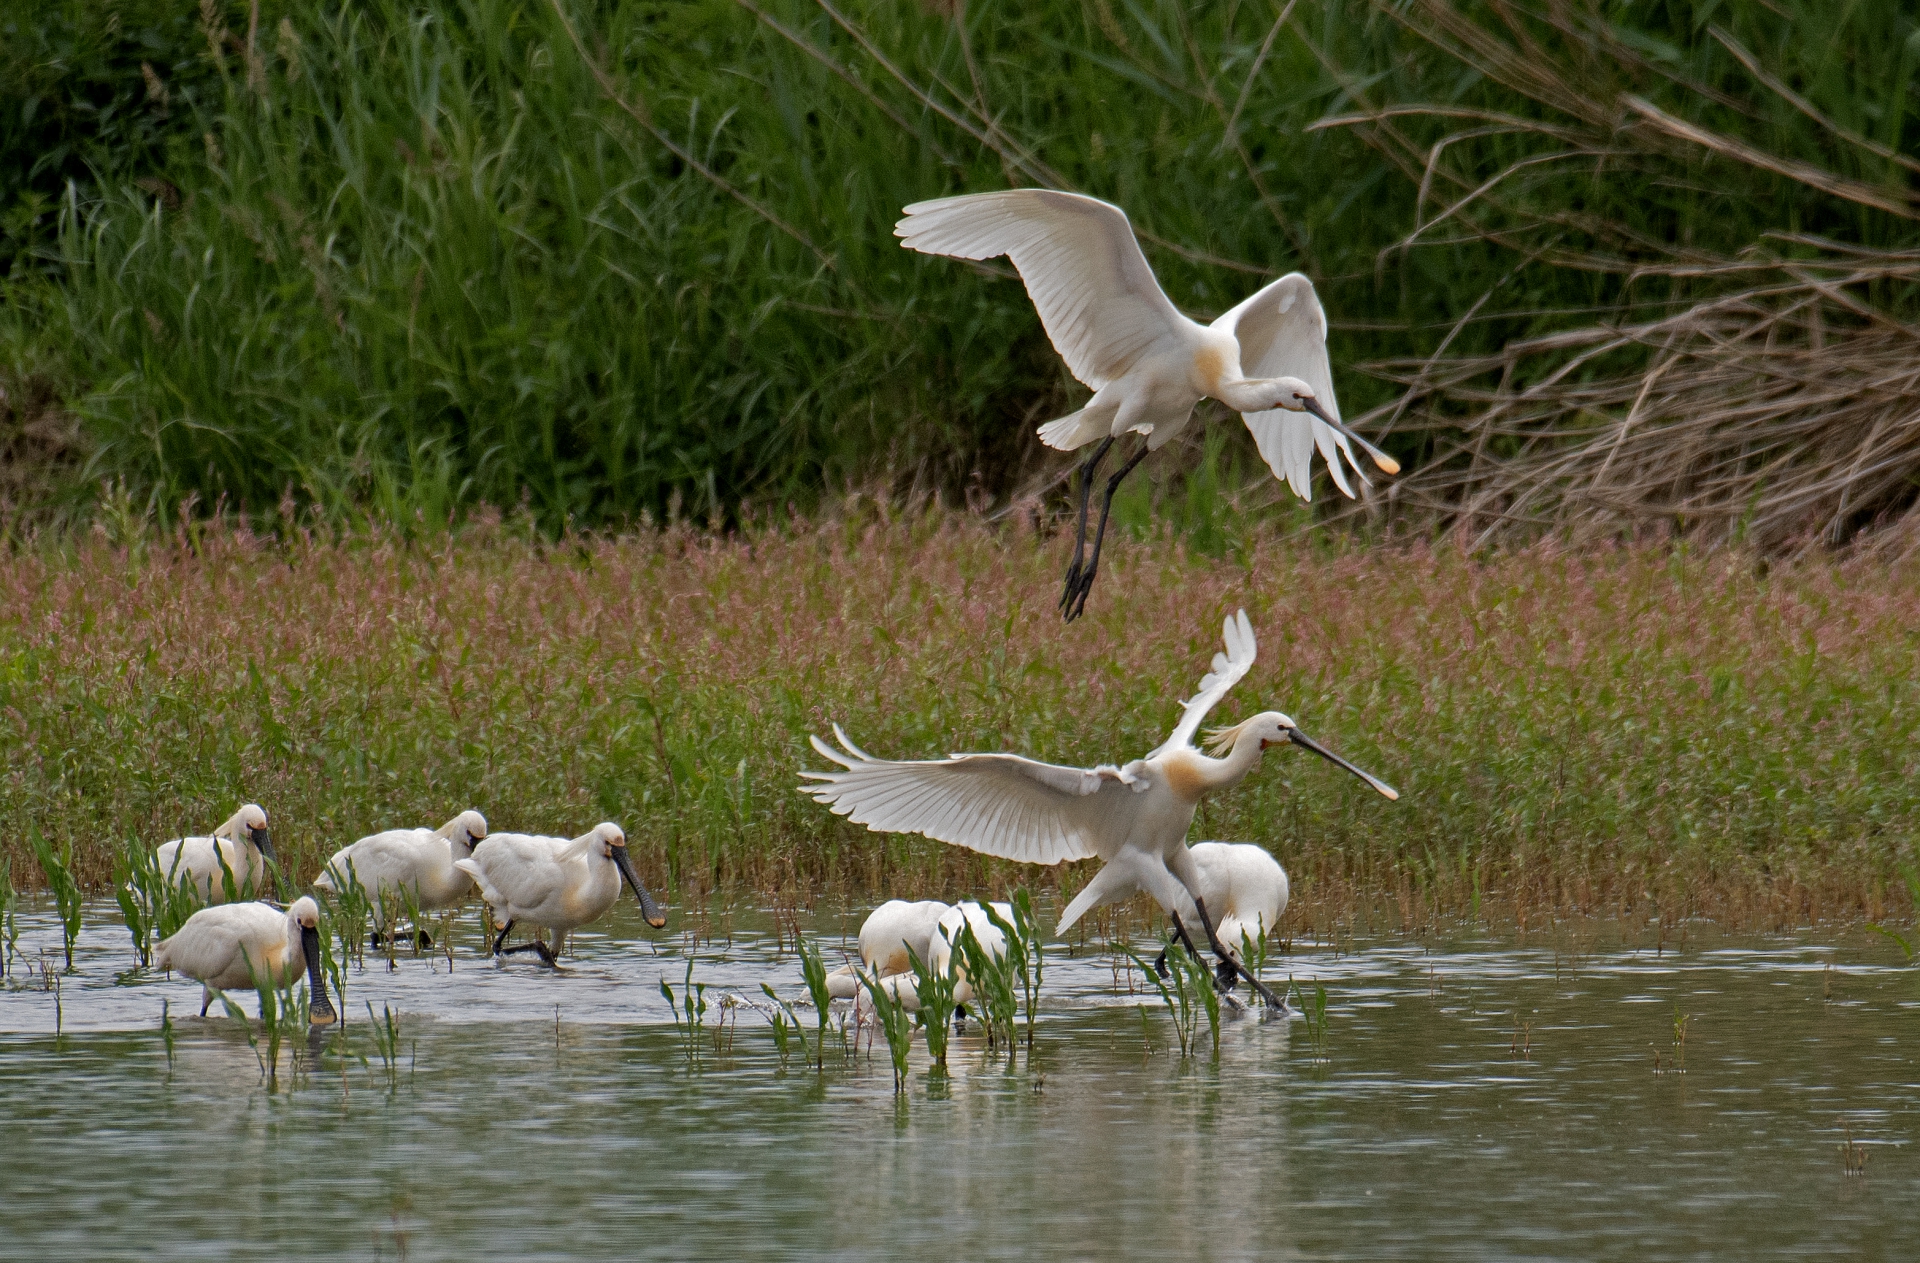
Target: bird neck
<point>1191,774</point>
<point>1246,394</point>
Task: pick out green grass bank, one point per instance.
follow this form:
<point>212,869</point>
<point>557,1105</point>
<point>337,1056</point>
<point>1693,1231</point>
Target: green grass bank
<point>1631,731</point>
<point>1620,263</point>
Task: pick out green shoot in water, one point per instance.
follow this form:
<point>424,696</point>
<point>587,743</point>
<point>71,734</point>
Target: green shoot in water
<point>9,923</point>
<point>813,967</point>
<point>1315,1012</point>
<point>1025,945</point>
<point>689,1012</point>
<point>350,911</point>
<point>386,1041</point>
<point>994,978</point>
<point>1173,991</point>
<point>934,988</point>
<point>166,1034</point>
<point>785,1023</point>
<point>892,1018</point>
<point>1193,981</point>
<point>155,904</point>
<point>66,891</point>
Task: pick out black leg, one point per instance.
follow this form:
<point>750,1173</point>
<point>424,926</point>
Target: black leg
<point>426,941</point>
<point>546,953</point>
<point>1160,964</point>
<point>1077,607</point>
<point>503,937</point>
<point>373,940</point>
<point>1229,963</point>
<point>1080,533</point>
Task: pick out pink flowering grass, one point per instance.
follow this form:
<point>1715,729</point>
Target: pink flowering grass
<point>1631,732</point>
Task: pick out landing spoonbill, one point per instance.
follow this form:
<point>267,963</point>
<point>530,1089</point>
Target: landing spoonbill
<point>251,945</point>
<point>554,882</point>
<point>1133,817</point>
<point>419,861</point>
<point>242,842</point>
<point>885,936</point>
<point>1148,364</point>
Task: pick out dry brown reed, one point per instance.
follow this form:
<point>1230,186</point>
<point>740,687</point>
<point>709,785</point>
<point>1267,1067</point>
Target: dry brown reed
<point>1766,394</point>
<point>1629,732</point>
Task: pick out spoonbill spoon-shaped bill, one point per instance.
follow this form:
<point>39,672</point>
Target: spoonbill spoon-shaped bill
<point>251,945</point>
<point>1133,817</point>
<point>887,934</point>
<point>243,842</point>
<point>417,860</point>
<point>1146,363</point>
<point>556,883</point>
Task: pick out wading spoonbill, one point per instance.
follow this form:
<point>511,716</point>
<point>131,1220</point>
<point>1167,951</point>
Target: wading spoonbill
<point>398,863</point>
<point>242,842</point>
<point>885,936</point>
<point>1133,817</point>
<point>1246,888</point>
<point>555,883</point>
<point>251,945</point>
<point>1146,363</point>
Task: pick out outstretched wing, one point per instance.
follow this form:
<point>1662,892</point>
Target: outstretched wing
<point>1084,271</point>
<point>998,804</point>
<point>1228,667</point>
<point>1282,331</point>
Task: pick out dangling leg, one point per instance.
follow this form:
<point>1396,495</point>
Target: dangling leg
<point>1080,533</point>
<point>1228,962</point>
<point>546,953</point>
<point>1077,607</point>
<point>503,937</point>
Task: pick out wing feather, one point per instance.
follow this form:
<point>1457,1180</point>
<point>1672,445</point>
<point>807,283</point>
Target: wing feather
<point>999,804</point>
<point>1282,330</point>
<point>1094,290</point>
<point>1228,668</point>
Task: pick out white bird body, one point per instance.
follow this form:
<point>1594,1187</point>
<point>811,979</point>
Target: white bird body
<point>1134,817</point>
<point>885,936</point>
<point>557,883</point>
<point>242,843</point>
<point>1146,362</point>
<point>961,915</point>
<point>250,945</point>
<point>1244,887</point>
<point>418,860</point>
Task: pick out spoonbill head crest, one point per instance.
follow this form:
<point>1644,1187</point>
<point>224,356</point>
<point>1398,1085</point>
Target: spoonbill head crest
<point>1272,728</point>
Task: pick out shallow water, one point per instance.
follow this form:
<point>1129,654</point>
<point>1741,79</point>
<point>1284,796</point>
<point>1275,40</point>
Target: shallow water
<point>1431,1129</point>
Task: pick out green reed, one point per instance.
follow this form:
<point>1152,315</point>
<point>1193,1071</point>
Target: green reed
<point>385,1030</point>
<point>689,1011</point>
<point>813,968</point>
<point>934,990</point>
<point>994,979</point>
<point>154,904</point>
<point>67,896</point>
<point>895,1023</point>
<point>348,910</point>
<point>1314,1010</point>
<point>1176,992</point>
<point>785,1024</point>
<point>9,919</point>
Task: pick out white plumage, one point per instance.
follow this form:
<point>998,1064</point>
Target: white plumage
<point>1134,817</point>
<point>557,883</point>
<point>1244,886</point>
<point>1148,364</point>
<point>250,945</point>
<point>885,937</point>
<point>417,860</point>
<point>242,843</point>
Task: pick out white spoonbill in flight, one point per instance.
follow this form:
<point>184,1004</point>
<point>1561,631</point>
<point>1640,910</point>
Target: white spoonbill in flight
<point>250,945</point>
<point>1146,363</point>
<point>397,863</point>
<point>1133,817</point>
<point>557,883</point>
<point>242,842</point>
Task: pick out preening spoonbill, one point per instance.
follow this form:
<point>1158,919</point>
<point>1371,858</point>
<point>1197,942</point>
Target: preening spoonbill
<point>1245,887</point>
<point>242,842</point>
<point>251,945</point>
<point>946,940</point>
<point>1133,817</point>
<point>419,861</point>
<point>885,936</point>
<point>1146,363</point>
<point>554,882</point>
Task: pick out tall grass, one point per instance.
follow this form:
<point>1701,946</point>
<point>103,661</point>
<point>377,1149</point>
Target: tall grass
<point>1634,730</point>
<point>402,256</point>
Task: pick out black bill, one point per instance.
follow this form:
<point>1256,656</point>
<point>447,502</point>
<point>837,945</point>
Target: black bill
<point>1388,465</point>
<point>262,842</point>
<point>319,1007</point>
<point>1305,742</point>
<point>648,908</point>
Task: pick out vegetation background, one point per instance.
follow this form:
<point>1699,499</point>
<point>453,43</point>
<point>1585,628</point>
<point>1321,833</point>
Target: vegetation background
<point>362,366</point>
